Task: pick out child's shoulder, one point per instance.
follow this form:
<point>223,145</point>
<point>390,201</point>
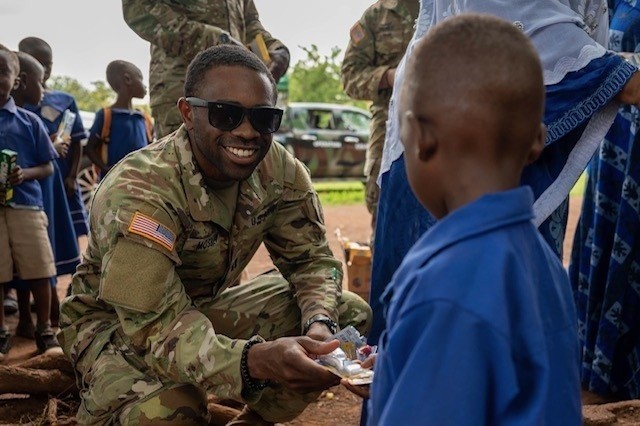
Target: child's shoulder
<point>58,99</point>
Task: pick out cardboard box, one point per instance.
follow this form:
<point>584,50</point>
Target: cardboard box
<point>8,160</point>
<point>358,259</point>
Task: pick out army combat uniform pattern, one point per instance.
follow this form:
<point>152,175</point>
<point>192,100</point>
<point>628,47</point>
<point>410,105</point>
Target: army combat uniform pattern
<point>152,322</point>
<point>177,31</point>
<point>378,42</point>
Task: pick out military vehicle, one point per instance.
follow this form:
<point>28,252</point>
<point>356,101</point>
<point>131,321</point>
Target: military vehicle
<point>330,139</point>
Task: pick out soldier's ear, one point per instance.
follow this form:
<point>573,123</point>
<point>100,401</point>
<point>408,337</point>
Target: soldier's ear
<point>186,111</point>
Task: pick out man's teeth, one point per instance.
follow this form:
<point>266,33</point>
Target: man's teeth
<point>242,153</point>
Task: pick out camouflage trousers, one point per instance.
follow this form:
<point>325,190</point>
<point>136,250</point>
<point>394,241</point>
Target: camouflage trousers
<point>166,117</point>
<point>372,194</point>
<point>119,388</point>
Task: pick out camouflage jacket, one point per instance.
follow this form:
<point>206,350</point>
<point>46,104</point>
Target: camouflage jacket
<point>378,42</point>
<point>162,244</point>
<point>177,31</point>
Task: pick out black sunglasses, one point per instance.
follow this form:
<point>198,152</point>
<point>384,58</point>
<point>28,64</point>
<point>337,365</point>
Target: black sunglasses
<point>227,117</point>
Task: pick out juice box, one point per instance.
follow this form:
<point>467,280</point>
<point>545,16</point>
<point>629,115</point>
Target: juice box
<point>8,160</point>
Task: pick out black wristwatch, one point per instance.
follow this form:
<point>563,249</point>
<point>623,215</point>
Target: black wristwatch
<point>333,327</point>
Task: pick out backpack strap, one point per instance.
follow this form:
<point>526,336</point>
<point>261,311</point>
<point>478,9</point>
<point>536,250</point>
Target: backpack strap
<point>104,135</point>
<point>148,123</point>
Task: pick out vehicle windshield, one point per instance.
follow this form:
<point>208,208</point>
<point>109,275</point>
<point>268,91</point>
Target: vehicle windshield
<point>354,121</point>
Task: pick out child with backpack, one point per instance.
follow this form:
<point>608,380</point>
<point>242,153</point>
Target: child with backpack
<point>119,129</point>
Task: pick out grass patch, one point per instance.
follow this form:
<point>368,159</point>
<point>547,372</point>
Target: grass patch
<point>340,193</point>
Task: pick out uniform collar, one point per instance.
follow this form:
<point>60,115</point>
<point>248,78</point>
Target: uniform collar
<point>486,214</point>
<point>10,106</point>
<point>202,206</point>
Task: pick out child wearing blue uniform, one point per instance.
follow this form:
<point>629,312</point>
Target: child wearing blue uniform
<point>24,242</point>
<point>120,129</point>
<point>60,228</point>
<point>51,111</point>
<point>480,322</point>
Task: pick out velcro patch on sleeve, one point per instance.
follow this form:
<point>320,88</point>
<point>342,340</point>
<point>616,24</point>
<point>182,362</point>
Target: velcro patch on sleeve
<point>153,230</point>
<point>357,33</point>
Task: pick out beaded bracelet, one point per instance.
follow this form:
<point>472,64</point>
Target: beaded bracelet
<point>251,384</point>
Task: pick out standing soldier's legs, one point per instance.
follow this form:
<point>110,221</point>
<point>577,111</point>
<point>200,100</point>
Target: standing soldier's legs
<point>372,193</point>
<point>266,306</point>
<point>167,118</point>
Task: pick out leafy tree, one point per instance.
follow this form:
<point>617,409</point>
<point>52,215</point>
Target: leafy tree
<point>93,99</point>
<point>317,79</point>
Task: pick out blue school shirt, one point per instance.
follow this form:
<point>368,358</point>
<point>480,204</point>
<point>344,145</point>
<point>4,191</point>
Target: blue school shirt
<point>481,327</point>
<point>128,132</point>
<point>23,132</point>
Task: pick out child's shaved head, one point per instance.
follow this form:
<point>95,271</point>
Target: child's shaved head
<point>39,49</point>
<point>471,107</point>
<point>481,56</point>
<point>29,64</point>
<point>12,58</point>
<point>116,71</point>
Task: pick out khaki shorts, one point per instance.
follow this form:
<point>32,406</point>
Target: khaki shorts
<point>24,243</point>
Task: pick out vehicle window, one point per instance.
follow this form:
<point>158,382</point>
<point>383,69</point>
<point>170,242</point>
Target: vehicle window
<point>299,119</point>
<point>321,119</point>
<point>354,121</point>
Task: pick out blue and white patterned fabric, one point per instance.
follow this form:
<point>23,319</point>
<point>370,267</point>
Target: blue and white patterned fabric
<point>605,261</point>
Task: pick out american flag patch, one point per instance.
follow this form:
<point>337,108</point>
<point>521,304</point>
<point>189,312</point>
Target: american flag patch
<point>153,230</point>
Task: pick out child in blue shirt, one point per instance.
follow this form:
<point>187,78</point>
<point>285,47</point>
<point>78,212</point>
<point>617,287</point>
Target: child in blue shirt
<point>24,242</point>
<point>60,228</point>
<point>480,322</point>
<point>51,111</point>
<point>119,129</point>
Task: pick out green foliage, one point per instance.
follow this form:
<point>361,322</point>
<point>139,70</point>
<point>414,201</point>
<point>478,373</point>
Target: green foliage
<point>93,99</point>
<point>340,193</point>
<point>317,79</point>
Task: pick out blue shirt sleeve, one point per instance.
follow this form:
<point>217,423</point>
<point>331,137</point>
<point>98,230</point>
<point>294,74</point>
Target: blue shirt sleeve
<point>98,120</point>
<point>77,131</point>
<point>443,365</point>
<point>45,151</point>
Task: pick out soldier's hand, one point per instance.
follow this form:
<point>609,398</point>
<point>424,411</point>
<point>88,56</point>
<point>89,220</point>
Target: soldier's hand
<point>279,63</point>
<point>290,362</point>
<point>319,331</point>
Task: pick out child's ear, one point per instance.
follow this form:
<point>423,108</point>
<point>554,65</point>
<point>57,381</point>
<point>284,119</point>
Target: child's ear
<point>186,112</point>
<point>21,81</point>
<point>538,144</point>
<point>417,136</point>
<point>126,78</point>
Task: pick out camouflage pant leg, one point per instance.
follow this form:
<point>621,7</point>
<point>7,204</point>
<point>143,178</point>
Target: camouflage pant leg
<point>372,194</point>
<point>266,306</point>
<point>115,391</point>
<point>167,118</point>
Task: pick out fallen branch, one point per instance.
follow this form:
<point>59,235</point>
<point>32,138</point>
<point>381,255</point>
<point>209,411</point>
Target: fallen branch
<point>52,411</point>
<point>221,414</point>
<point>50,360</point>
<point>35,381</point>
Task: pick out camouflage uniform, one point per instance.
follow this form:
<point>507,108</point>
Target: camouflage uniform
<point>378,41</point>
<point>153,323</point>
<point>177,31</point>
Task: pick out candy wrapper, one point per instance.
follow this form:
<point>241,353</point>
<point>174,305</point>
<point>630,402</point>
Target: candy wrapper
<point>344,361</point>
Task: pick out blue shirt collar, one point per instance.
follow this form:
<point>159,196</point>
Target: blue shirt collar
<point>10,106</point>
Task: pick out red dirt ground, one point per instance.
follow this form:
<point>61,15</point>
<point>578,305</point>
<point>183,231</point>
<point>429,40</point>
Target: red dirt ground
<point>335,407</point>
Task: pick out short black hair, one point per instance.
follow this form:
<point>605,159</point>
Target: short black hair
<point>33,44</point>
<point>28,64</point>
<point>220,56</point>
<point>12,58</point>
